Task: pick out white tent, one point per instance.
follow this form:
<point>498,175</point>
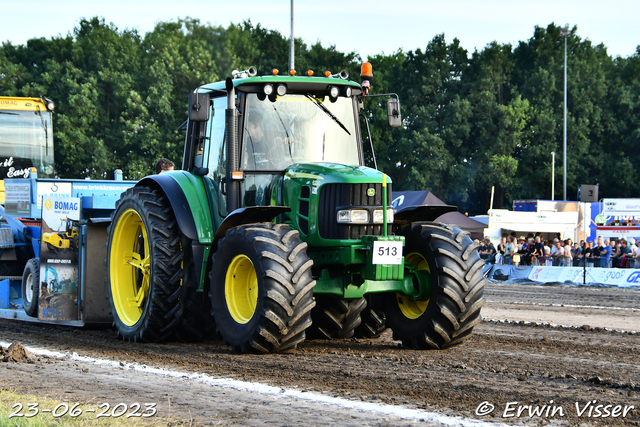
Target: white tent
<point>503,222</point>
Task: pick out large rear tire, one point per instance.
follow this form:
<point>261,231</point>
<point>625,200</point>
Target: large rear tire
<point>335,317</point>
<point>144,266</point>
<point>261,288</point>
<point>31,287</point>
<point>449,313</point>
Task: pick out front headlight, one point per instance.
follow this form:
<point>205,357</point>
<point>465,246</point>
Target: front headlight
<point>377,216</point>
<point>353,216</point>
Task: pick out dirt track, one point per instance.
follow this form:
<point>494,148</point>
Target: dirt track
<point>517,361</point>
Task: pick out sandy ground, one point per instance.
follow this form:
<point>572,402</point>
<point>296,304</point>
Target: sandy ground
<point>546,348</point>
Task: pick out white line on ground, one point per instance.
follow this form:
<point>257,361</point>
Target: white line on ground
<point>379,408</point>
<point>595,307</point>
<point>553,325</point>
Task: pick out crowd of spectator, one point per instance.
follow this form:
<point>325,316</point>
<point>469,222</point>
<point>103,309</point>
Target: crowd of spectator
<point>533,250</point>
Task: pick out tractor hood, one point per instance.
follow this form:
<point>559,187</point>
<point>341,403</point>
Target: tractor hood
<point>318,174</point>
<point>315,191</point>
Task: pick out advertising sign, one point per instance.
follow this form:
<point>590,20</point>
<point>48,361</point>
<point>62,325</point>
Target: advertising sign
<point>556,274</point>
<point>17,198</point>
<point>54,189</point>
<point>59,278</point>
<point>621,207</point>
<point>621,277</point>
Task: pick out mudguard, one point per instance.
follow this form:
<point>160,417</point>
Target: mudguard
<point>249,215</point>
<point>421,213</point>
<point>188,199</point>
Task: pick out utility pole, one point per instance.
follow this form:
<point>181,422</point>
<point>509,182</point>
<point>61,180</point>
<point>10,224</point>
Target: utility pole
<point>553,175</point>
<point>291,55</point>
<point>564,32</point>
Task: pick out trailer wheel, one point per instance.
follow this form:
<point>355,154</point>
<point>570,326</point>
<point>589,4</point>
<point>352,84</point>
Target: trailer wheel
<point>144,266</point>
<point>448,258</point>
<point>31,287</point>
<point>374,322</point>
<point>261,288</point>
<point>335,317</point>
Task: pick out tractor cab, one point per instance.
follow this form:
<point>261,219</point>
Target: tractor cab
<point>277,121</point>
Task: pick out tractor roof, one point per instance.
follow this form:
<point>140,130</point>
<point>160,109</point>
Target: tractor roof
<point>294,84</point>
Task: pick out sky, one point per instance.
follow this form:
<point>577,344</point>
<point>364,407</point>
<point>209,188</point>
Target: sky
<point>368,27</point>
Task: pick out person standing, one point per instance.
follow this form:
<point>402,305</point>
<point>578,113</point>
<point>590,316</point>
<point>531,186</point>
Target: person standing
<point>556,253</point>
<point>502,248</point>
<point>567,259</point>
<point>482,250</point>
<point>624,254</point>
<point>490,250</point>
<point>509,250</point>
<point>605,253</point>
<point>538,252</point>
<point>632,246</point>
<point>576,253</point>
<point>597,251</point>
<point>588,253</point>
<point>635,253</point>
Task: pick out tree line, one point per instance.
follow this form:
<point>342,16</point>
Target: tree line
<point>472,120</point>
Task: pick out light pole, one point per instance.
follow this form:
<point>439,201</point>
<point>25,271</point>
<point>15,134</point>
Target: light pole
<point>553,175</point>
<point>564,32</point>
<point>291,43</point>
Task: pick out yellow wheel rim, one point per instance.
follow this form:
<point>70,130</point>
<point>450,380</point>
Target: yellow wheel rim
<point>413,309</point>
<point>130,267</point>
<point>241,289</point>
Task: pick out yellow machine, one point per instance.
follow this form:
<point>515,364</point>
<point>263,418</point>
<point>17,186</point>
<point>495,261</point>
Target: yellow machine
<point>63,241</point>
<point>26,138</point>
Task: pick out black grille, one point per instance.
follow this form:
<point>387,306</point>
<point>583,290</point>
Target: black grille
<point>333,196</point>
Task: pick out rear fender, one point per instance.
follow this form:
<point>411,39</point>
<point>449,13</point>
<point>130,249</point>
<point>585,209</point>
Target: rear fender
<point>189,201</point>
<point>421,213</point>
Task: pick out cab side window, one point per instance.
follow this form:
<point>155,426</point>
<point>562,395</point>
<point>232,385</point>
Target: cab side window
<point>216,139</point>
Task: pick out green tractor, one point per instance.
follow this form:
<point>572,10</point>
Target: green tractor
<point>275,230</point>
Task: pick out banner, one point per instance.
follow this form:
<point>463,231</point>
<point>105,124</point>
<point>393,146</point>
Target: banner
<point>621,207</point>
<point>60,241</point>
<point>622,277</point>
<point>17,197</point>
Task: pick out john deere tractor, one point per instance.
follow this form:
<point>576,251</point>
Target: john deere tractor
<point>275,229</point>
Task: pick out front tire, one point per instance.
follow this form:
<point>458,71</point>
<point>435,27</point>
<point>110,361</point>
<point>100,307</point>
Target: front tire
<point>261,288</point>
<point>450,311</point>
<point>31,287</point>
<point>144,266</point>
<point>374,321</point>
<point>335,317</point>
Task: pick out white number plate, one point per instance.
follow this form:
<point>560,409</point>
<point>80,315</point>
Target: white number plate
<point>387,252</point>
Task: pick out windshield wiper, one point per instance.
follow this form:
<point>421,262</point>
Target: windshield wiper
<point>11,114</point>
<point>329,113</point>
<point>284,127</point>
<point>285,131</point>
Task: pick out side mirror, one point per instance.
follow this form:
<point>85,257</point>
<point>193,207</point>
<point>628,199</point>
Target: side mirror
<point>393,112</point>
<point>198,107</point>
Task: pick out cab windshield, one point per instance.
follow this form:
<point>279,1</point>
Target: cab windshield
<point>298,129</point>
<point>25,141</point>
